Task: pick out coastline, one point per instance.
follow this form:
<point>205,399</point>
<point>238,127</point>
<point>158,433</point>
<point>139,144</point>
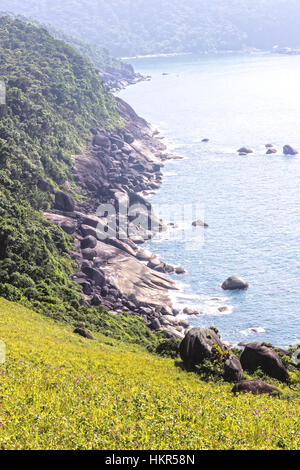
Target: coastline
<point>117,272</point>
<point>178,54</point>
<point>123,264</point>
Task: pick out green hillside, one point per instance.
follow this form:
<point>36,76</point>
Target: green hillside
<point>60,391</point>
<point>99,56</point>
<point>128,27</point>
<point>53,97</point>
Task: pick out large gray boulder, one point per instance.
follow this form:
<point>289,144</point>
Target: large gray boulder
<point>256,387</point>
<point>257,355</point>
<point>234,283</point>
<point>233,371</point>
<point>198,345</point>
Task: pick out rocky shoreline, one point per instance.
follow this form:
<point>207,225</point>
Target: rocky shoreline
<point>117,80</point>
<point>116,272</point>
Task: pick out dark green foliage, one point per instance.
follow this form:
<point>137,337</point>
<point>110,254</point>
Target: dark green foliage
<point>130,27</point>
<point>99,56</point>
<point>168,347</point>
<point>53,97</point>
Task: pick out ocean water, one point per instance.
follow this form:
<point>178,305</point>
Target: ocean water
<point>251,203</point>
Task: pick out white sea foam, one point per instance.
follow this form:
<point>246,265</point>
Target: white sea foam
<point>204,305</point>
<point>253,331</point>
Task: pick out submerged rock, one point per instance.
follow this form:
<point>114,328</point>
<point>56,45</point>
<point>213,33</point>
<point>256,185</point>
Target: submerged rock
<point>256,387</point>
<point>234,283</point>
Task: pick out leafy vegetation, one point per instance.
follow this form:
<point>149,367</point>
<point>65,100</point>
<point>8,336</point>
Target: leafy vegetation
<point>60,391</point>
<point>129,27</point>
<point>99,56</point>
<point>53,97</point>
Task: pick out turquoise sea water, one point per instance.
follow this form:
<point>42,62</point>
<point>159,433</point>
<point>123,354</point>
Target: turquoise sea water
<point>252,203</point>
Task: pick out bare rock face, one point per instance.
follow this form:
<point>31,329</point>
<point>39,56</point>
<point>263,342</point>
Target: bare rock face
<point>198,345</point>
<point>234,283</point>
<point>259,355</point>
<point>288,150</point>
<point>64,202</point>
<point>256,387</point>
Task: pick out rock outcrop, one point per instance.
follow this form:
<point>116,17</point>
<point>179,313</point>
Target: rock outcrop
<point>257,355</point>
<point>233,371</point>
<point>113,271</point>
<point>84,333</point>
<point>198,344</point>
<point>256,387</point>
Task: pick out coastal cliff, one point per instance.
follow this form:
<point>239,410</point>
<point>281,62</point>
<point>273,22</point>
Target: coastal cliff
<point>116,271</point>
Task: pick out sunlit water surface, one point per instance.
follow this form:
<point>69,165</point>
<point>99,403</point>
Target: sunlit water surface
<point>251,203</point>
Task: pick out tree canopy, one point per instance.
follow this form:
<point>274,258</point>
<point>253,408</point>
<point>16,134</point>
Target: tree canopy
<point>129,27</point>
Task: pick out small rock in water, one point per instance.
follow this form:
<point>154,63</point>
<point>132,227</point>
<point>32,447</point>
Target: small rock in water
<point>245,150</point>
<point>288,150</point>
<point>271,151</point>
<point>268,146</point>
<point>234,283</point>
<point>223,309</point>
<point>180,270</point>
<point>205,140</point>
<point>199,223</point>
<point>190,311</point>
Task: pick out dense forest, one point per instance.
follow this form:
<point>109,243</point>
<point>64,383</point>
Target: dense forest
<point>129,27</point>
<point>99,56</point>
<point>53,98</point>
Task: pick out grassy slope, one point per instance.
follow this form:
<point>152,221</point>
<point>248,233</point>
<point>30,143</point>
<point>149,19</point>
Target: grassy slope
<point>60,391</point>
